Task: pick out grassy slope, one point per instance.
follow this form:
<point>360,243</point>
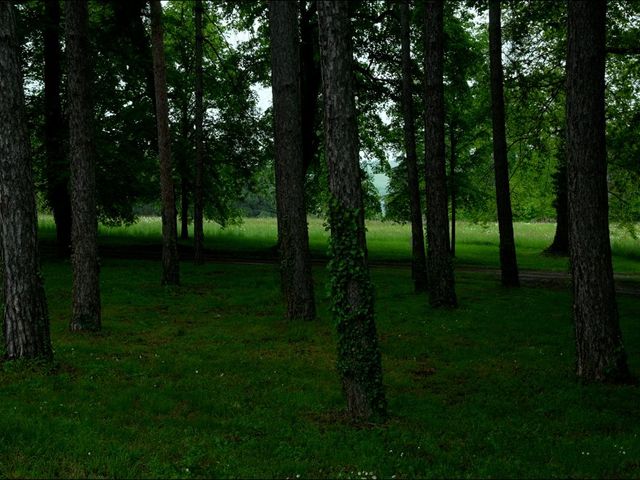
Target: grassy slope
<point>477,244</point>
<point>208,380</point>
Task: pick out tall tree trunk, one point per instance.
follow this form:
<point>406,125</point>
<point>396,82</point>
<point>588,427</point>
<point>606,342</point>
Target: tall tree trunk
<point>170,263</point>
<point>508,262</point>
<point>560,245</point>
<point>57,165</point>
<point>599,347</point>
<point>184,208</point>
<point>183,167</point>
<point>439,265</point>
<point>310,82</point>
<point>26,319</point>
<point>295,260</point>
<point>359,362</point>
<point>84,224</point>
<point>452,180</point>
<point>418,258</point>
<point>198,215</point>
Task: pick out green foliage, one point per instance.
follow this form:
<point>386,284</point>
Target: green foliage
<point>352,302</point>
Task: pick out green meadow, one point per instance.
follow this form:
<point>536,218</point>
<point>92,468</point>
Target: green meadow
<point>477,244</point>
<point>207,380</point>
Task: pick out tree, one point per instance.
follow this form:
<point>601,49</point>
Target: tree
<point>26,318</point>
<point>418,260</point>
<point>508,263</point>
<point>293,237</point>
<point>84,224</point>
<point>560,244</point>
<point>170,264</point>
<point>600,351</point>
<point>57,165</point>
<point>198,227</point>
<point>359,362</point>
<point>439,263</point>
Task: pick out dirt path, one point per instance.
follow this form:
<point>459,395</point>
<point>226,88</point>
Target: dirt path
<point>627,284</point>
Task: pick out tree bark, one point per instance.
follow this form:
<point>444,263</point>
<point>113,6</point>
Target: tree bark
<point>310,83</point>
<point>600,351</point>
<point>198,216</point>
<point>84,225</point>
<point>26,319</point>
<point>184,209</point>
<point>359,362</point>
<point>295,260</point>
<point>183,167</point>
<point>508,262</point>
<point>452,179</point>
<point>418,257</point>
<point>439,264</point>
<point>170,263</point>
<point>560,245</point>
<point>57,165</point>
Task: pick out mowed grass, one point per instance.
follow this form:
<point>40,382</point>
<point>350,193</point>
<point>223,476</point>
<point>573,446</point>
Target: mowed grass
<point>208,380</point>
<point>477,244</point>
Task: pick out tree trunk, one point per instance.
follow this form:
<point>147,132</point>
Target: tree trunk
<point>198,215</point>
<point>26,320</point>
<point>600,351</point>
<point>439,265</point>
<point>452,179</point>
<point>310,83</point>
<point>184,208</point>
<point>57,165</point>
<point>170,263</point>
<point>508,262</point>
<point>359,362</point>
<point>295,260</point>
<point>560,245</point>
<point>84,225</point>
<point>183,167</point>
<point>418,258</point>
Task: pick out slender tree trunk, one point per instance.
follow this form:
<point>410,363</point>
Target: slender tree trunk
<point>170,263</point>
<point>439,265</point>
<point>198,216</point>
<point>418,257</point>
<point>26,319</point>
<point>57,165</point>
<point>560,245</point>
<point>184,209</point>
<point>508,262</point>
<point>295,261</point>
<point>84,231</point>
<point>600,351</point>
<point>359,362</point>
<point>452,179</point>
<point>183,167</point>
<point>310,82</point>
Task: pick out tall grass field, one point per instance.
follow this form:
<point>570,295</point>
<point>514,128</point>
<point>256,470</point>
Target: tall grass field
<point>477,244</point>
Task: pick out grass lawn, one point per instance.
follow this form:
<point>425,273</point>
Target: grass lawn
<point>476,245</point>
<point>208,380</point>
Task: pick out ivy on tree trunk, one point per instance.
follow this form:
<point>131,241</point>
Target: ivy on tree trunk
<point>359,361</point>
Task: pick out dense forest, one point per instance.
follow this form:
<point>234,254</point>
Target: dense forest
<point>427,113</point>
